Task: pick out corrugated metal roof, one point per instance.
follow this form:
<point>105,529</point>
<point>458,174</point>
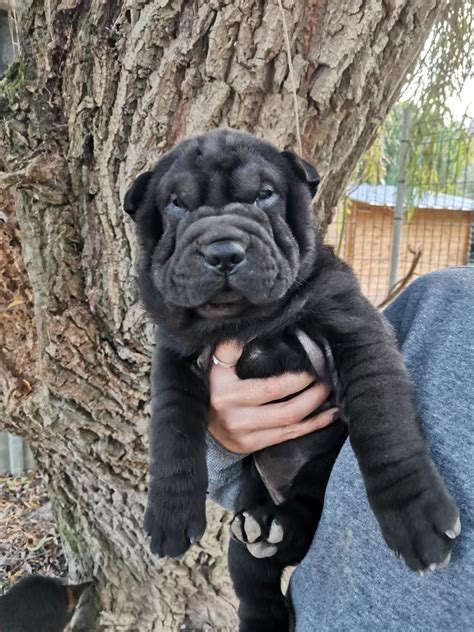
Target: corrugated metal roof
<point>385,195</point>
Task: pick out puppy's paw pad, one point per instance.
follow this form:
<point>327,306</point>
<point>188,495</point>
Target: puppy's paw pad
<point>245,528</point>
<point>276,533</point>
<point>260,534</point>
<point>251,527</point>
<point>261,549</point>
<point>236,528</point>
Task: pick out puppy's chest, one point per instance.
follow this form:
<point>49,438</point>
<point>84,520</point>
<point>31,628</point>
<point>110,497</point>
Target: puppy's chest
<point>292,351</point>
<point>275,355</point>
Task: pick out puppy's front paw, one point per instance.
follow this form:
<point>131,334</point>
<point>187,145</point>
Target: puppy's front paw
<point>420,526</point>
<point>172,524</point>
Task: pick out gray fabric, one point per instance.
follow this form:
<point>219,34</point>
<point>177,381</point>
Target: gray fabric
<point>223,470</point>
<point>349,579</point>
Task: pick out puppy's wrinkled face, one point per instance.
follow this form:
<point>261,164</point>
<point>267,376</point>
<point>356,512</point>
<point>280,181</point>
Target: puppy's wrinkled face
<point>218,223</point>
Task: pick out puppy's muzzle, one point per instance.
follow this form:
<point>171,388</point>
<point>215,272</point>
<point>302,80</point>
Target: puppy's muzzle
<point>223,255</point>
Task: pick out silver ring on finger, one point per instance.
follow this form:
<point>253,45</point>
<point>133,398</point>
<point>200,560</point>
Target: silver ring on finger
<point>221,363</point>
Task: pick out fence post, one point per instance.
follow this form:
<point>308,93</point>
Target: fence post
<point>17,460</point>
<point>4,454</point>
<point>399,210</point>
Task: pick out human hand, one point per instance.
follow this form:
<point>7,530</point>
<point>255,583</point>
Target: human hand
<point>242,417</point>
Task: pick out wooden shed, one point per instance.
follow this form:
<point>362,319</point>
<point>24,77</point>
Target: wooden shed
<point>441,226</point>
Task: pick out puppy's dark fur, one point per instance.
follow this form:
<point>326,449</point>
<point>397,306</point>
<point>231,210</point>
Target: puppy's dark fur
<point>39,604</point>
<point>227,190</point>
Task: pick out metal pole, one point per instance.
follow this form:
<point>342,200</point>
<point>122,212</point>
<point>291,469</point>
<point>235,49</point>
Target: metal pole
<point>17,462</point>
<point>399,210</point>
<point>4,454</point>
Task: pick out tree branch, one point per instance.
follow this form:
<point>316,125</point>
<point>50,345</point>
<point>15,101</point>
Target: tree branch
<point>402,283</point>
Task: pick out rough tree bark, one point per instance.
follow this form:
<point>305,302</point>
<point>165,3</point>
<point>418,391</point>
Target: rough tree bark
<point>102,89</point>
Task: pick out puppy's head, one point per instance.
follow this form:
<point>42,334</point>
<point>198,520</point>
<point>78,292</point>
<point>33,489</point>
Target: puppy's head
<point>40,603</point>
<point>225,227</point>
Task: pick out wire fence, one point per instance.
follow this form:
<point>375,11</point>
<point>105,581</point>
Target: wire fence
<point>436,222</point>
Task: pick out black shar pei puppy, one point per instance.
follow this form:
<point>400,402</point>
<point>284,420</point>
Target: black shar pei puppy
<point>229,249</point>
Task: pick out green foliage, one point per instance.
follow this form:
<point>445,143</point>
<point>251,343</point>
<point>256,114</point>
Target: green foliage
<point>441,156</point>
<point>445,64</point>
<point>440,159</point>
<point>373,166</point>
<point>13,81</point>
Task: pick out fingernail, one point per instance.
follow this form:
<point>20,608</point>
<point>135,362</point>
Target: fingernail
<point>336,415</point>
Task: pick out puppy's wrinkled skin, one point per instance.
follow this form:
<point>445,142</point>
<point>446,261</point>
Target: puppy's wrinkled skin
<point>229,250</point>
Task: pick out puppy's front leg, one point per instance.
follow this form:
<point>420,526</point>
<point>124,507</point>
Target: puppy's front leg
<point>175,517</point>
<point>418,518</point>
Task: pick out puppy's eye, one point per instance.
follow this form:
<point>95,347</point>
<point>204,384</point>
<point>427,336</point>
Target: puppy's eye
<point>265,196</point>
<point>265,193</point>
<point>176,201</point>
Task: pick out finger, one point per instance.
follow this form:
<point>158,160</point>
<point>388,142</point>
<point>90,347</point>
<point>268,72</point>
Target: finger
<point>280,414</point>
<point>219,376</point>
<point>228,351</point>
<point>255,392</point>
<point>261,439</point>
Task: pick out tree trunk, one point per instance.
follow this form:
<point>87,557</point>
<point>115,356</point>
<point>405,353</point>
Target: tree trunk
<point>101,91</point>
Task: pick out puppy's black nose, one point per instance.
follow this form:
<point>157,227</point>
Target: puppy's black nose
<point>223,255</point>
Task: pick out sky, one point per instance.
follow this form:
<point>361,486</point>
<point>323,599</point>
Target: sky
<point>464,102</point>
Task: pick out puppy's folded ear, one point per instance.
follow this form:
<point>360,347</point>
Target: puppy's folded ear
<point>304,170</point>
<point>136,193</point>
<point>74,593</point>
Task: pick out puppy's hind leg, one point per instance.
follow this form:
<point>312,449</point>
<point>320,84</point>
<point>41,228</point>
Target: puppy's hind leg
<point>263,608</point>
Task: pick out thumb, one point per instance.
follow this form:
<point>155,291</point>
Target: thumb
<point>228,351</point>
